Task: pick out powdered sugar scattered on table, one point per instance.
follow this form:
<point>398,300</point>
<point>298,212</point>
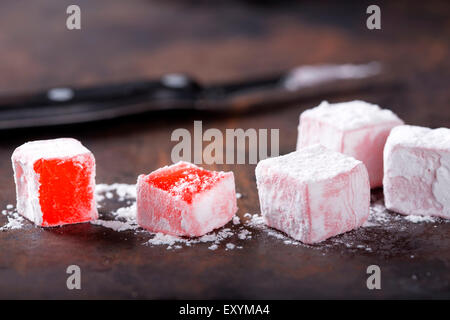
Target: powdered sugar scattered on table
<point>117,206</point>
<point>360,239</point>
<point>418,219</point>
<point>124,219</point>
<point>123,191</point>
<point>15,221</point>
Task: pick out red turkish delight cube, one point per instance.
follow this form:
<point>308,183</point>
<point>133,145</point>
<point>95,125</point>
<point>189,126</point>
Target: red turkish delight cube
<point>185,200</point>
<point>55,182</point>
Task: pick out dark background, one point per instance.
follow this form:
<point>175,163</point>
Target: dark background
<point>216,41</point>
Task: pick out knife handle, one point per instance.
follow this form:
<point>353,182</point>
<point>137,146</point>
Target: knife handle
<point>169,86</point>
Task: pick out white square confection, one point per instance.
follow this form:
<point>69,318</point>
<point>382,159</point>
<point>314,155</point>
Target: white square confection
<point>417,171</point>
<point>314,193</point>
<point>357,128</point>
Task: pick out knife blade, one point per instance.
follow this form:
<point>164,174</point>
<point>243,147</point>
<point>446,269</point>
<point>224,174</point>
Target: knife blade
<point>67,105</point>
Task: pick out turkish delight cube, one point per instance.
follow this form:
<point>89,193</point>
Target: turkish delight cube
<point>55,182</point>
<point>417,171</point>
<point>357,128</point>
<point>185,200</point>
<point>314,193</point>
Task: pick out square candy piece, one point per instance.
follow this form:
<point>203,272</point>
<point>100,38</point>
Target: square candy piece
<point>357,128</point>
<point>314,193</point>
<point>417,171</point>
<point>55,181</point>
<point>185,200</point>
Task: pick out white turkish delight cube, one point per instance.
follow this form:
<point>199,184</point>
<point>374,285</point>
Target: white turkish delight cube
<point>357,128</point>
<point>417,171</point>
<point>314,193</point>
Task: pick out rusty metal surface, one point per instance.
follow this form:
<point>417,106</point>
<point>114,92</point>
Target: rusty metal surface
<point>124,41</point>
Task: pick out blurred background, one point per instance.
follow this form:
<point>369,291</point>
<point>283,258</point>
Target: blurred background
<point>213,41</point>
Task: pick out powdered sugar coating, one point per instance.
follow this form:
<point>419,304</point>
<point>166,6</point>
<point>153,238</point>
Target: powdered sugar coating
<point>350,115</point>
<point>313,163</point>
<point>185,200</point>
<point>49,149</point>
<point>417,171</point>
<point>184,180</point>
<point>415,136</point>
<point>357,129</point>
<point>313,194</point>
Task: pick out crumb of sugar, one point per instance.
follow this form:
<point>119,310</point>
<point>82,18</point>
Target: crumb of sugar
<point>256,220</point>
<point>238,195</point>
<point>230,246</point>
<point>236,220</point>
<point>244,234</point>
<point>128,213</point>
<point>109,195</point>
<point>115,225</point>
<point>161,238</point>
<point>13,223</point>
<point>15,220</point>
<point>378,215</point>
<point>122,190</point>
<point>215,237</point>
<point>418,219</point>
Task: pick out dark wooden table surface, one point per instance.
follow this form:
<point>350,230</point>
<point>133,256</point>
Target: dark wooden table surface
<point>123,40</point>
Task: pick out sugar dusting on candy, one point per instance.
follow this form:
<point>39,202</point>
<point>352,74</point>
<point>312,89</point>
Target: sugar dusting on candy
<point>416,171</point>
<point>350,115</point>
<point>183,181</point>
<point>318,163</point>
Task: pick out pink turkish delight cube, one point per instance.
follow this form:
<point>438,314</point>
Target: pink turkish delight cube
<point>185,200</point>
<point>357,128</point>
<point>314,193</point>
<point>55,182</point>
<point>417,171</point>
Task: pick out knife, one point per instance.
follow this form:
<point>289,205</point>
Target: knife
<point>67,105</point>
